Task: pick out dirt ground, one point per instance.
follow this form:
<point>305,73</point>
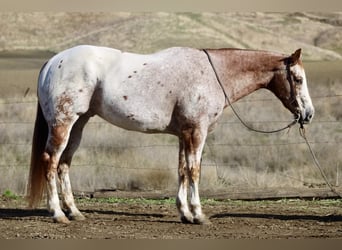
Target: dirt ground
<point>141,219</point>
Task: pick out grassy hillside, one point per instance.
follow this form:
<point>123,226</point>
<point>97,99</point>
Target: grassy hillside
<point>319,34</point>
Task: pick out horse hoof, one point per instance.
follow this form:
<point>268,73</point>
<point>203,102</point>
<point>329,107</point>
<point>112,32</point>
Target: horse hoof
<point>186,220</point>
<point>76,217</point>
<point>202,221</point>
<point>61,219</point>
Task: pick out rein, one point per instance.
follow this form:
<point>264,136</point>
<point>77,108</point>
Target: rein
<point>301,128</point>
<point>236,113</point>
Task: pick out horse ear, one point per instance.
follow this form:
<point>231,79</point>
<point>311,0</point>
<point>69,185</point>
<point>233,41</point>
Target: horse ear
<point>295,57</point>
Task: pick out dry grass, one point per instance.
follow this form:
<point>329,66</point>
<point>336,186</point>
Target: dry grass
<point>110,157</point>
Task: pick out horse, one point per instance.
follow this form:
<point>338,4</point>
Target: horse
<point>179,91</point>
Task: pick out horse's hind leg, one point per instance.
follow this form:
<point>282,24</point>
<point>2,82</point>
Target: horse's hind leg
<point>64,166</point>
<point>57,141</point>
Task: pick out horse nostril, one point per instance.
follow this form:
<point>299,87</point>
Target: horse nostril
<point>309,116</point>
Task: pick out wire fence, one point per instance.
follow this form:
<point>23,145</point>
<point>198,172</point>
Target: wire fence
<point>16,131</point>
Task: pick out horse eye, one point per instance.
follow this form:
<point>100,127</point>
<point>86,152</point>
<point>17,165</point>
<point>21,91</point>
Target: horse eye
<point>298,80</point>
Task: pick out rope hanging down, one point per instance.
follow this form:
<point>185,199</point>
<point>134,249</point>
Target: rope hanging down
<point>302,134</point>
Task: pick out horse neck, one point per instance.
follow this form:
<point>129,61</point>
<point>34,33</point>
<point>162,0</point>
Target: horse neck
<point>242,72</point>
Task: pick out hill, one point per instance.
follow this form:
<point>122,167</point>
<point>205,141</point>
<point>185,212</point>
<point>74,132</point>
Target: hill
<point>318,34</point>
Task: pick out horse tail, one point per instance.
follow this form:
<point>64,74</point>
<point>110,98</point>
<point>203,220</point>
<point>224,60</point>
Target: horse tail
<point>37,179</point>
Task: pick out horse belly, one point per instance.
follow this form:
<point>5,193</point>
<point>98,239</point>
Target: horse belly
<point>136,115</point>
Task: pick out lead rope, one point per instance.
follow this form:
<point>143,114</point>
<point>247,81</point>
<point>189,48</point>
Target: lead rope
<point>302,134</point>
<point>235,112</point>
<point>301,129</point>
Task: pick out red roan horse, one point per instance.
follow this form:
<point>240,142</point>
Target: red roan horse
<point>173,91</point>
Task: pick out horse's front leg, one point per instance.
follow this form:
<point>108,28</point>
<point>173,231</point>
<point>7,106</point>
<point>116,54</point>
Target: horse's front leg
<point>183,183</point>
<point>194,161</point>
<point>194,140</point>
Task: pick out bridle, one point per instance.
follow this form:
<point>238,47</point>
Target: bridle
<point>293,99</point>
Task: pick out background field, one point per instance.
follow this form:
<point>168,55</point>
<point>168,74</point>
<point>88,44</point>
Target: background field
<point>111,158</point>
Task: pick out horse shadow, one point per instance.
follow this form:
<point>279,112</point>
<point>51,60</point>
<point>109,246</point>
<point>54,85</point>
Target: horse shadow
<point>284,217</point>
<point>157,217</point>
<point>16,213</point>
<point>13,213</point>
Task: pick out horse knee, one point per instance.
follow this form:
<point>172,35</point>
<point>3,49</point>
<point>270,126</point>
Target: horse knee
<point>50,165</point>
<point>195,173</point>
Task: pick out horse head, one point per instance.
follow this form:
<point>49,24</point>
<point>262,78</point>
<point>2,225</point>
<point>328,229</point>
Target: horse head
<point>290,86</point>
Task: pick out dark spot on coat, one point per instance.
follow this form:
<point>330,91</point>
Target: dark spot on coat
<point>170,92</point>
<point>98,81</point>
<point>60,64</point>
<point>125,97</point>
<point>144,64</point>
<point>80,90</point>
<point>135,71</point>
<point>129,76</point>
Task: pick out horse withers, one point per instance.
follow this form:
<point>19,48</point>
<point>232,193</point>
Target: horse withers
<point>179,91</point>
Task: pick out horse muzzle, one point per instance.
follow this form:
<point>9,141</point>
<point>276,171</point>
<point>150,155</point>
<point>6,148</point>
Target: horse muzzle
<point>305,117</point>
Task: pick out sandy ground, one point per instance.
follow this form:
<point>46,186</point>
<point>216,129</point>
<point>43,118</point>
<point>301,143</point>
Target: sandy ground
<point>281,219</point>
